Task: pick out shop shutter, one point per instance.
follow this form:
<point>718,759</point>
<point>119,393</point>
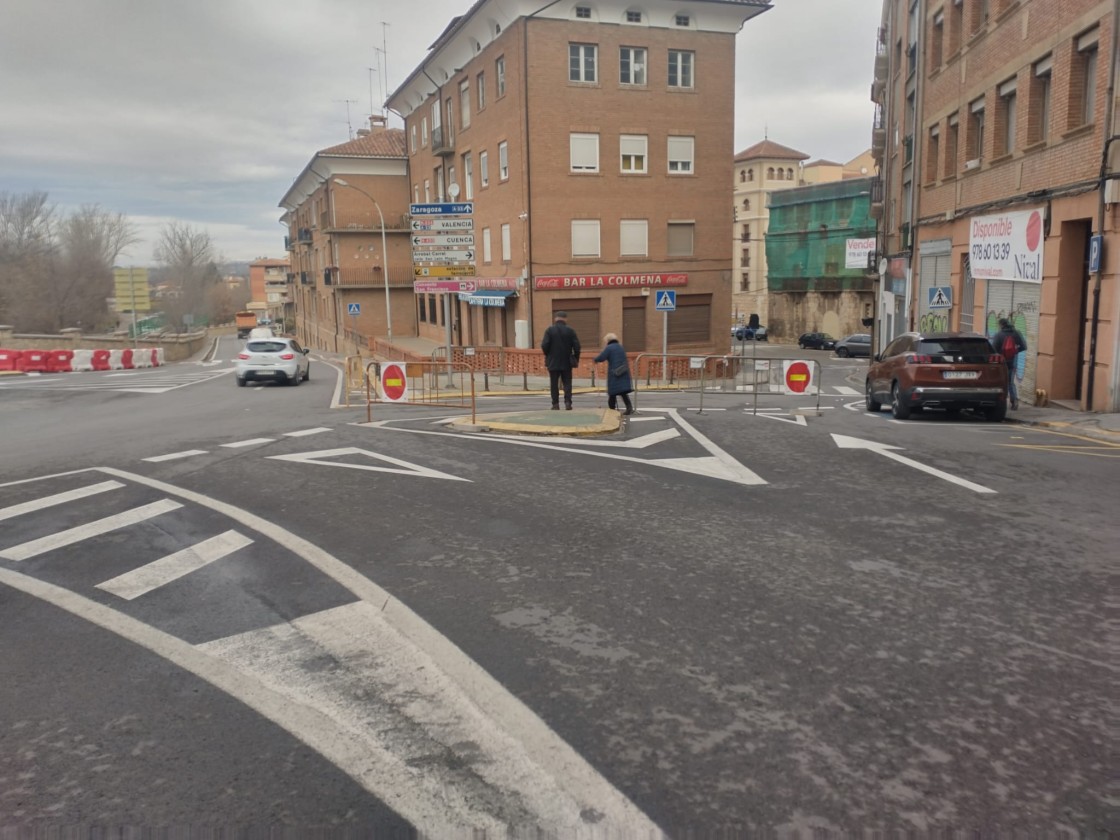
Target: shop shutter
<point>583,317</point>
<point>691,323</point>
<point>934,271</point>
<point>1019,301</point>
<point>634,324</point>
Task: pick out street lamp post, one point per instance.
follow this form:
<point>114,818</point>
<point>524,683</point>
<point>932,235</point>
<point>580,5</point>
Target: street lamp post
<point>384,254</point>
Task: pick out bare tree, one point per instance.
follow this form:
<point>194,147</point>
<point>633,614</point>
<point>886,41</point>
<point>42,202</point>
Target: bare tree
<point>188,256</point>
<point>90,240</point>
<point>26,249</point>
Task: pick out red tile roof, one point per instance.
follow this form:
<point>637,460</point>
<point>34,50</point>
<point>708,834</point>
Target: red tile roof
<point>770,149</point>
<point>387,143</point>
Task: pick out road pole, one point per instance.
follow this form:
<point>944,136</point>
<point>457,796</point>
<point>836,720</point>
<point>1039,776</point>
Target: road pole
<point>665,347</point>
<point>132,296</point>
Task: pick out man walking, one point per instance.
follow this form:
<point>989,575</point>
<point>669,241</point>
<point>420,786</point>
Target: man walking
<point>1009,343</point>
<point>561,353</point>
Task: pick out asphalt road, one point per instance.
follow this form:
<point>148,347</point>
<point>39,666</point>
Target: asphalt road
<point>720,620</point>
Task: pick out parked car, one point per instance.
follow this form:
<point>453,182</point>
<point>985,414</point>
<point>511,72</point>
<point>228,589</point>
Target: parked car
<point>275,359</point>
<point>742,332</point>
<point>857,344</point>
<point>816,341</point>
<point>951,371</point>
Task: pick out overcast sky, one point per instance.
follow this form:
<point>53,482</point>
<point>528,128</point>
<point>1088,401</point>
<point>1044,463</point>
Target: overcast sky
<point>205,111</point>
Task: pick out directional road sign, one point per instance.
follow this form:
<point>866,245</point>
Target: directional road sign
<point>441,240</point>
<point>441,224</point>
<point>353,309</point>
<point>422,286</point>
<point>461,209</point>
<point>466,270</point>
<point>447,255</point>
<point>666,300</point>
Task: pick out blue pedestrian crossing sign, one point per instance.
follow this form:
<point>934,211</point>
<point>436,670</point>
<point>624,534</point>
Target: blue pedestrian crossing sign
<point>941,297</point>
<point>666,300</point>
<point>353,309</point>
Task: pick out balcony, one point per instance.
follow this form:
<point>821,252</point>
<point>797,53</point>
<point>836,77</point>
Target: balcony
<point>371,276</point>
<point>443,143</point>
<point>304,236</point>
<point>289,245</point>
<point>368,220</point>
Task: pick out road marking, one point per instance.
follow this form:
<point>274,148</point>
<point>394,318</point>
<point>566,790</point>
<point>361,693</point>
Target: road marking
<point>171,567</point>
<point>78,533</point>
<point>155,459</point>
<point>642,442</point>
<point>845,391</point>
<point>403,467</point>
<point>58,499</point>
<point>1104,450</point>
<point>434,693</point>
<point>249,442</point>
<point>306,432</point>
<point>846,442</point>
<point>796,419</point>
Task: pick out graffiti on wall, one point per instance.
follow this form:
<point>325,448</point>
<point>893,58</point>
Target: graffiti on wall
<point>934,322</point>
<point>1018,320</point>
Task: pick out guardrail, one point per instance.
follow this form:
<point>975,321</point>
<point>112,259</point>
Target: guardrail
<point>422,383</point>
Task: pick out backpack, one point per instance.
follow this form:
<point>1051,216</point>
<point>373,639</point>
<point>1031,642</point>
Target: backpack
<point>1009,348</point>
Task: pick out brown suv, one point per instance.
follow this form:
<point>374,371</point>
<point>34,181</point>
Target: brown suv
<point>939,370</point>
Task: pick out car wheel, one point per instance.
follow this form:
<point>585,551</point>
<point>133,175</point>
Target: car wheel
<point>307,374</point>
<point>899,409</point>
<point>802,346</point>
<point>240,382</point>
<point>843,353</point>
<point>996,413</point>
<point>295,380</point>
<point>872,403</point>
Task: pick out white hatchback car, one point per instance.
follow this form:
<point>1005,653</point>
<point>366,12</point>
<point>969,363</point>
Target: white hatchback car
<point>275,359</point>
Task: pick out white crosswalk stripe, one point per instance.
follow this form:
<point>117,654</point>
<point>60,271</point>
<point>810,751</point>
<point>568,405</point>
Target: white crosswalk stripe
<point>70,536</point>
<point>174,566</point>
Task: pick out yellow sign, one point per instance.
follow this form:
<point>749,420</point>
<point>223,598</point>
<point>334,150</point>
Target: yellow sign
<point>443,270</point>
<point>130,285</point>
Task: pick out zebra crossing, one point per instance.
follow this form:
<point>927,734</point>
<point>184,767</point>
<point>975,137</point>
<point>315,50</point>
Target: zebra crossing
<point>155,381</point>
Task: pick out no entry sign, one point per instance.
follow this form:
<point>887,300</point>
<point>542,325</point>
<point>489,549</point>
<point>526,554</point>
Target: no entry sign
<point>798,377</point>
<point>394,382</point>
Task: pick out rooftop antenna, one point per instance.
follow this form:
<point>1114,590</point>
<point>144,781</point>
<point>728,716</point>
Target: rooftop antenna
<point>385,52</point>
<point>349,126</point>
<point>372,70</point>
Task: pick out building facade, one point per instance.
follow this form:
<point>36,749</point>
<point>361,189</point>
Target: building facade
<point>593,142</point>
<point>993,134</point>
<point>270,293</point>
<point>349,242</point>
<point>817,250</point>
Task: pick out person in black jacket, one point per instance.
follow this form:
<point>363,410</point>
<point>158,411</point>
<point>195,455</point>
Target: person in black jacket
<point>561,353</point>
<point>619,382</point>
<point>1009,343</point>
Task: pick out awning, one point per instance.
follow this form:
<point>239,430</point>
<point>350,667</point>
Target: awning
<point>489,297</point>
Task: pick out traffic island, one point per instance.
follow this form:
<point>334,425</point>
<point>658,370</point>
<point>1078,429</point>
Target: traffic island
<point>575,423</point>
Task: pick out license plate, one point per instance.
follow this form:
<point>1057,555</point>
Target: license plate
<point>960,374</point>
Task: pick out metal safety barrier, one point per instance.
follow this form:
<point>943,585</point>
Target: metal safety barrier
<point>439,383</point>
<point>355,377</point>
<point>726,374</point>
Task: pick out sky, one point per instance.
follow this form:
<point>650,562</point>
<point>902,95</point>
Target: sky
<point>205,111</point>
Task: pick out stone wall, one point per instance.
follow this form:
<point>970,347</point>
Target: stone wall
<point>176,348</point>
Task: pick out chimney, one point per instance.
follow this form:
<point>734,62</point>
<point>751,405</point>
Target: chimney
<point>376,122</point>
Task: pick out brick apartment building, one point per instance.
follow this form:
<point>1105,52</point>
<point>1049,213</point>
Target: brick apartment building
<point>348,238</point>
<point>269,292</point>
<point>994,118</point>
<point>595,143</point>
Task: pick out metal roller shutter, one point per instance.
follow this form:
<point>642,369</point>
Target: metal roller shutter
<point>691,323</point>
<point>935,270</point>
<point>634,324</point>
<point>583,317</point>
<point>1019,301</point>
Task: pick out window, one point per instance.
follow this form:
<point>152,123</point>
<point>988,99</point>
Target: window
<point>468,177</point>
<point>770,173</point>
<point>503,161</point>
<point>681,154</point>
<point>427,190</point>
<point>956,23</point>
<point>582,62</point>
<point>1005,119</point>
<point>632,153</point>
<point>745,257</point>
<point>931,154</point>
<point>781,174</point>
<point>951,138</point>
<point>480,89</point>
<point>680,68</point>
<point>745,282</point>
<point>505,242</point>
<point>1038,118</point>
<point>750,175</point>
<point>631,65</point>
<point>681,20</point>
<point>486,245</point>
<point>450,131</point>
<point>451,177</point>
<point>742,176</point>
<point>415,193</point>
<point>633,17</point>
<point>583,12</point>
<point>975,137</point>
<point>483,169</point>
<point>584,152</point>
<point>465,103</point>
<point>1083,79</point>
<point>680,239</point>
<point>437,175</point>
<point>789,174</point>
<point>500,72</point>
<point>746,233</point>
<point>937,42</point>
<point>412,139</point>
<point>633,238</point>
<point>424,132</point>
<point>585,238</point>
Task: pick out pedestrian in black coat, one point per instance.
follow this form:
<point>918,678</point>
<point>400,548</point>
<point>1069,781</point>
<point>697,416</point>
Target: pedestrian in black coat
<point>561,353</point>
<point>619,382</point>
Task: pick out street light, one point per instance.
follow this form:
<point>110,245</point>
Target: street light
<point>384,254</point>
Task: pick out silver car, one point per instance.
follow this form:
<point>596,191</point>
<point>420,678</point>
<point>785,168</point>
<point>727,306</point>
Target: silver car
<point>275,359</point>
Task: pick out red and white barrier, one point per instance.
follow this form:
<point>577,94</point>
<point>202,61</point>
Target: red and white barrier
<point>83,360</point>
<point>65,361</point>
<point>9,359</point>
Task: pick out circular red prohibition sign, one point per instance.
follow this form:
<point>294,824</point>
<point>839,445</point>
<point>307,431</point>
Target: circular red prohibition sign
<point>798,377</point>
<point>393,382</point>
